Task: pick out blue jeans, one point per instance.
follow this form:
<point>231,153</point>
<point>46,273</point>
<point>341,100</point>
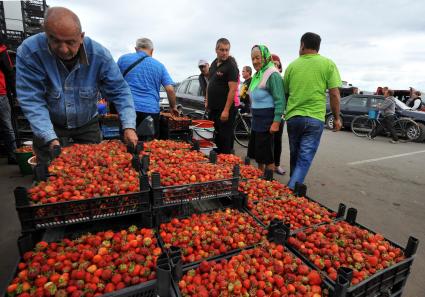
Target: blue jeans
<point>6,125</point>
<point>304,137</point>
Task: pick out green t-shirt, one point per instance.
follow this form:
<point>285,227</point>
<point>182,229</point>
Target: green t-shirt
<point>306,80</point>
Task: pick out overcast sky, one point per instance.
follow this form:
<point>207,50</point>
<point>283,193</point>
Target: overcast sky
<point>373,43</point>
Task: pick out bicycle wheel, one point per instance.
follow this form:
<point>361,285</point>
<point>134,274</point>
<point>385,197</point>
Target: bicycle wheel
<point>407,129</point>
<point>362,125</point>
<point>242,131</point>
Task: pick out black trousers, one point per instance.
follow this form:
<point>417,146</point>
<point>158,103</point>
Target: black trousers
<point>143,115</point>
<point>387,124</point>
<point>278,144</point>
<point>224,134</point>
<point>89,133</point>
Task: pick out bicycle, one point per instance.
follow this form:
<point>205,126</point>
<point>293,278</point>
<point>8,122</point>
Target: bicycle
<point>241,128</point>
<point>406,128</point>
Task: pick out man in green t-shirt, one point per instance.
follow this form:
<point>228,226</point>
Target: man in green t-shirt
<point>305,81</point>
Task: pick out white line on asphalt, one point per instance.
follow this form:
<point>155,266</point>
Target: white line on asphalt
<point>385,158</point>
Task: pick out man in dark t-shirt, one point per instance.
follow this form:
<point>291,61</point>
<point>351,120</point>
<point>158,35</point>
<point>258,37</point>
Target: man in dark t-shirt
<point>222,85</point>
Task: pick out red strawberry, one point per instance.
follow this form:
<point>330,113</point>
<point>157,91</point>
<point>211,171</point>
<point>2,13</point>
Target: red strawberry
<point>314,278</point>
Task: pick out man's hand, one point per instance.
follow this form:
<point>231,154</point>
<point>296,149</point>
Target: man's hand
<point>175,111</point>
<point>274,127</point>
<point>206,103</point>
<point>224,116</point>
<point>337,124</point>
<point>130,136</point>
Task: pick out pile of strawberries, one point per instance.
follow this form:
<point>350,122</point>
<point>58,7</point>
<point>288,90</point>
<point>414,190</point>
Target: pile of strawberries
<point>250,172</point>
<point>166,144</point>
<point>162,157</point>
<point>229,159</point>
<point>206,235</point>
<point>24,149</point>
<point>181,174</point>
<point>85,171</point>
<point>297,211</point>
<point>341,244</point>
<point>91,265</point>
<point>260,189</point>
<point>264,271</point>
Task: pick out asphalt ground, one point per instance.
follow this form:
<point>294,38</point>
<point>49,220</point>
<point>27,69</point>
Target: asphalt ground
<point>384,181</point>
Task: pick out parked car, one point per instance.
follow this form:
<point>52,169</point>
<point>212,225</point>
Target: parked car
<point>354,105</point>
<point>163,100</point>
<point>189,94</point>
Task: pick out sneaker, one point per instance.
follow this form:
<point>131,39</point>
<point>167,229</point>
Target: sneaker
<point>280,170</point>
<point>369,136</point>
<point>394,141</point>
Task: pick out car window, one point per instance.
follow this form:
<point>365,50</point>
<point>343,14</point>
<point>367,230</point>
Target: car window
<point>193,87</point>
<point>344,100</point>
<point>358,102</point>
<point>374,101</point>
<point>183,86</point>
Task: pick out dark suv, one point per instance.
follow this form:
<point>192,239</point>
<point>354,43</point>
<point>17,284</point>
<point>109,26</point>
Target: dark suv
<point>354,105</point>
<point>188,94</point>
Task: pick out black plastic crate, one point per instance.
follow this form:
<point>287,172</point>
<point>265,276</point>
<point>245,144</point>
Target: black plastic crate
<point>235,203</point>
<point>14,37</point>
<point>181,135</point>
<point>175,280</point>
<point>171,125</point>
<point>152,288</point>
<point>339,214</point>
<point>386,282</point>
<point>33,217</point>
<point>165,196</point>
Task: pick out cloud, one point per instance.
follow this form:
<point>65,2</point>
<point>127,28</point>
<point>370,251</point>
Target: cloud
<point>372,42</point>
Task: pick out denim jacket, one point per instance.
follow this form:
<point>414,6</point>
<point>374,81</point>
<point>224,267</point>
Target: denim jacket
<point>50,95</point>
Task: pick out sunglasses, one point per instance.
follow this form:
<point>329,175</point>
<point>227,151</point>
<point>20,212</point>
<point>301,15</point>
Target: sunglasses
<point>202,66</point>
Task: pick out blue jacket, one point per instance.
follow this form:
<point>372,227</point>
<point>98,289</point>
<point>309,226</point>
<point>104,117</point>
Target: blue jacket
<point>145,80</point>
<point>50,94</point>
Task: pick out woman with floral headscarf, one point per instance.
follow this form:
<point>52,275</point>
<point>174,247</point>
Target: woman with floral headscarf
<point>268,99</point>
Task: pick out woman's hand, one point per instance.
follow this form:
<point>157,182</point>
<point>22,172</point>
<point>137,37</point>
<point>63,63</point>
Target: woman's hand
<point>274,127</point>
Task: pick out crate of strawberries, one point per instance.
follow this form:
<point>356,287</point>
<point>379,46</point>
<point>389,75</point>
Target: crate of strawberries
<point>295,212</point>
<point>186,182</point>
<point>211,235</point>
<point>171,123</point>
<point>268,269</point>
<point>370,264</point>
<point>120,262</point>
<point>85,183</point>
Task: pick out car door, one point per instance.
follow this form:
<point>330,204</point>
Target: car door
<point>354,107</point>
<point>181,93</point>
<point>194,95</point>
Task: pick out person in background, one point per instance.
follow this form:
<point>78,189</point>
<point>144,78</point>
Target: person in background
<point>267,96</point>
<point>415,102</point>
<point>58,75</point>
<point>387,109</point>
<point>306,80</point>
<point>7,90</point>
<point>243,93</point>
<point>204,67</point>
<point>379,91</point>
<point>278,135</point>
<point>221,89</point>
<point>145,75</point>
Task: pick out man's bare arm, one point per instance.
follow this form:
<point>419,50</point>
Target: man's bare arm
<point>335,107</point>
